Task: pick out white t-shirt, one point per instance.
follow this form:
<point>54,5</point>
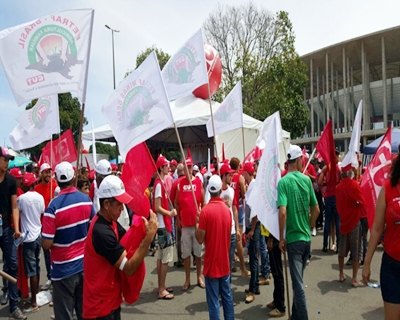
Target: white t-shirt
<point>158,194</point>
<point>200,176</point>
<point>31,207</point>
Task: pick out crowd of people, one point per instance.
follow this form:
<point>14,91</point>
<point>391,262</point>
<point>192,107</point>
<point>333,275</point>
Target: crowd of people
<point>78,219</point>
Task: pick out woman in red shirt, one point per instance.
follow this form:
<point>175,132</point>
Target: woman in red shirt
<point>387,222</point>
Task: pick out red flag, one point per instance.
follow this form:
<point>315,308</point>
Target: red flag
<point>61,149</point>
<point>138,169</point>
<point>377,172</point>
<point>253,155</point>
<point>326,148</point>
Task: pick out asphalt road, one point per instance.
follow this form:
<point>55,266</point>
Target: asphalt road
<point>327,298</point>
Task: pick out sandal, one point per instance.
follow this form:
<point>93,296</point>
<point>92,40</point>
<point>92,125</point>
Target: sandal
<point>186,287</point>
<point>168,296</point>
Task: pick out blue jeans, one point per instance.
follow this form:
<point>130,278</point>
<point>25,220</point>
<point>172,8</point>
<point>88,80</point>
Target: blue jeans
<point>254,247</point>
<point>265,269</point>
<point>298,253</point>
<point>232,251</point>
<point>330,215</point>
<point>10,260</point>
<point>216,287</point>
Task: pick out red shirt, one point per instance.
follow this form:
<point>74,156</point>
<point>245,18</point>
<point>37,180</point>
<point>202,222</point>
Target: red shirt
<point>164,204</point>
<point>349,204</point>
<point>235,184</point>
<point>215,219</point>
<point>392,220</point>
<point>47,191</point>
<point>173,188</point>
<point>187,207</point>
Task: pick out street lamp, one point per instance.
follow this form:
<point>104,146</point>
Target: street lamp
<point>112,37</point>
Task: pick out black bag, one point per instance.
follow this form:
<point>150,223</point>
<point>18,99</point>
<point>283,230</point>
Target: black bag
<point>164,238</point>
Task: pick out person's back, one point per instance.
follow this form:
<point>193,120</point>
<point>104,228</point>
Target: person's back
<point>31,205</point>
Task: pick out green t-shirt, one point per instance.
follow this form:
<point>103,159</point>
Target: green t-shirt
<point>295,192</point>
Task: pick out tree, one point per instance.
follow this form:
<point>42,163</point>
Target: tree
<point>162,57</point>
<point>103,148</point>
<point>70,113</point>
<point>255,47</point>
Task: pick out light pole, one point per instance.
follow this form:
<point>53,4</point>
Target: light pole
<point>113,57</point>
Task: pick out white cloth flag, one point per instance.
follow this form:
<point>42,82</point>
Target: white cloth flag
<point>139,108</point>
<point>36,124</point>
<point>229,115</point>
<point>186,70</point>
<point>350,159</point>
<point>48,55</point>
<point>263,198</point>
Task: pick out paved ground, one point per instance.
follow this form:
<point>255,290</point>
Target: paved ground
<point>326,297</point>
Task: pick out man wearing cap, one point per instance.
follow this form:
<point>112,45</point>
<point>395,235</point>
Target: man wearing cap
<point>10,228</point>
<point>173,165</point>
<point>165,250</point>
<point>105,257</point>
<point>296,199</point>
<point>31,207</point>
<point>46,187</point>
<point>17,174</point>
<point>197,174</point>
<point>103,169</point>
<point>188,209</point>
<point>214,230</point>
<point>65,227</point>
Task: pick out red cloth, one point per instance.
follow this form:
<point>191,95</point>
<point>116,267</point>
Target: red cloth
<point>215,219</point>
<point>172,195</point>
<point>22,280</point>
<point>392,219</point>
<point>47,191</point>
<point>164,204</point>
<point>349,204</point>
<point>236,187</point>
<point>187,207</point>
<point>138,169</point>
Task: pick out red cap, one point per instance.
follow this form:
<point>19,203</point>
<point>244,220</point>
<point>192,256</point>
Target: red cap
<point>29,179</point>
<point>248,167</point>
<point>161,161</point>
<point>114,167</point>
<point>16,173</point>
<point>189,162</point>
<point>226,168</point>
<point>173,162</point>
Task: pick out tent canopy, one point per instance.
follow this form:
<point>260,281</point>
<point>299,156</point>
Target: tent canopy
<point>373,146</point>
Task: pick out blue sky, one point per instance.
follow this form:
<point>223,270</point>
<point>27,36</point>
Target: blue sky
<point>168,24</point>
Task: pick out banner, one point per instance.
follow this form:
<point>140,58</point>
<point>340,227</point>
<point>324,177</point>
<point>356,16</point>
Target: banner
<point>376,174</point>
<point>139,108</point>
<point>58,150</point>
<point>350,159</point>
<point>37,124</point>
<point>264,195</point>
<point>186,70</point>
<point>229,115</point>
<point>48,55</point>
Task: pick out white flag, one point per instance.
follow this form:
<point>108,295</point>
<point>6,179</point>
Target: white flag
<point>48,55</point>
<point>36,124</point>
<point>186,70</point>
<point>139,108</point>
<point>264,195</point>
<point>350,159</point>
<point>229,115</point>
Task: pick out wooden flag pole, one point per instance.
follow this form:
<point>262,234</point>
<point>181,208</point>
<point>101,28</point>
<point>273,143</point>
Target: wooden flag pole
<point>244,148</point>
<point>287,283</point>
<point>309,160</point>
<point>213,126</point>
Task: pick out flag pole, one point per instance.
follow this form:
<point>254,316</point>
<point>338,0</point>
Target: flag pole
<point>244,149</point>
<point>213,126</point>
<point>287,283</point>
<point>79,144</point>
<point>309,160</point>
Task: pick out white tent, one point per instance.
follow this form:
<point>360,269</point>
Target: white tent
<point>191,115</point>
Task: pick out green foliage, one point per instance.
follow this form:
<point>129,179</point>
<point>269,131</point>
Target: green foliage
<point>162,57</point>
<point>103,148</point>
<point>70,112</point>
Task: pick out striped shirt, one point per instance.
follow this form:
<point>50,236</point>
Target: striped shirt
<point>66,222</point>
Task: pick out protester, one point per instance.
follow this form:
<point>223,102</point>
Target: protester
<point>387,224</point>
<point>10,229</point>
<point>165,250</point>
<point>350,205</point>
<point>105,257</point>
<point>65,227</point>
<point>102,169</point>
<point>18,175</point>
<point>31,207</point>
<point>214,229</point>
<point>83,185</point>
<point>296,198</point>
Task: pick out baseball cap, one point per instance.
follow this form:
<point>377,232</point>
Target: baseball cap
<point>196,168</point>
<point>64,172</point>
<point>174,162</point>
<point>214,184</point>
<point>161,161</point>
<point>113,187</point>
<point>29,179</point>
<point>5,153</point>
<point>44,167</point>
<point>16,173</point>
<point>294,152</point>
<point>248,167</point>
<point>103,167</point>
<point>226,168</point>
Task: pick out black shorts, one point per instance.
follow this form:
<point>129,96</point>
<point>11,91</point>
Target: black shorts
<point>390,279</point>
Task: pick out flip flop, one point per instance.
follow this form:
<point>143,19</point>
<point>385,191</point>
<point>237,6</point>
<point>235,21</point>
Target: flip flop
<point>342,279</point>
<point>170,290</point>
<point>201,285</point>
<point>357,284</point>
<point>168,296</point>
<point>186,287</point>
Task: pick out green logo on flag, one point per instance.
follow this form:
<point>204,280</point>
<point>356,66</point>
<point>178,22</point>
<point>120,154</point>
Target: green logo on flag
<point>40,113</point>
<point>180,70</point>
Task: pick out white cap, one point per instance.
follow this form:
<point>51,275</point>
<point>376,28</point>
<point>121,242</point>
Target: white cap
<point>113,187</point>
<point>195,167</point>
<point>64,172</point>
<point>43,167</point>
<point>103,167</point>
<point>214,184</point>
<point>294,152</point>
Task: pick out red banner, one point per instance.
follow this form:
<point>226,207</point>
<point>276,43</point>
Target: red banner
<point>58,150</point>
<point>326,149</point>
<point>377,172</point>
